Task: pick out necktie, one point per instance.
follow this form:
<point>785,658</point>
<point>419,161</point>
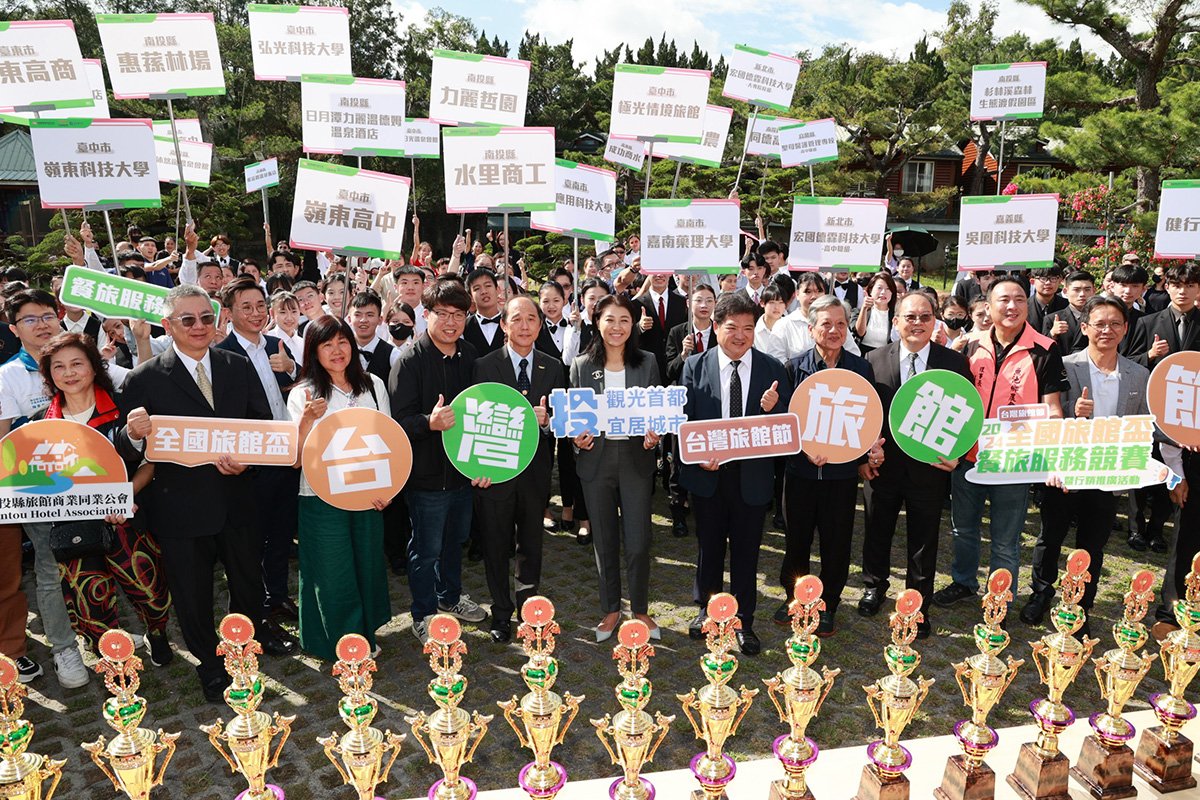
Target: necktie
<point>912,366</point>
<point>757,299</point>
<point>204,385</point>
<point>1182,330</point>
<point>662,313</point>
<point>735,391</point>
<point>699,342</point>
<point>523,376</point>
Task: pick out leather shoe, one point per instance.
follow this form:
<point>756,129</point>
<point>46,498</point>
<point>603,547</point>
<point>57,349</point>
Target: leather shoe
<point>924,629</point>
<point>680,528</point>
<point>501,631</point>
<point>214,690</point>
<point>1138,542</point>
<point>286,611</point>
<point>828,624</point>
<point>694,629</point>
<point>747,641</point>
<point>1158,545</point>
<point>872,601</point>
<point>1035,610</point>
<point>276,641</point>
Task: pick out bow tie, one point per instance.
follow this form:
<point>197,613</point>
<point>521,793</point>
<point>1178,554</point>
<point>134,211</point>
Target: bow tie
<point>562,323</point>
<point>490,320</point>
<point>841,285</point>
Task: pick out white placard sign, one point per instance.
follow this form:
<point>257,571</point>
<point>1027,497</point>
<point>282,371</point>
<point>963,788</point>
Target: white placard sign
<point>83,163</point>
<point>806,143</point>
<point>488,167</point>
<point>711,149</point>
<point>690,235</point>
<point>625,151</point>
<point>1178,234</point>
<point>1008,91</point>
<point>349,210</point>
<point>197,161</point>
<point>161,54</point>
<point>94,69</point>
<point>291,41</point>
<point>352,116</point>
<point>585,202</point>
<point>422,138</point>
<point>659,102</point>
<point>837,233</point>
<point>478,90</point>
<point>761,78</point>
<point>762,138</point>
<point>1007,232</point>
<point>188,129</point>
<point>40,65</point>
<point>262,175</point>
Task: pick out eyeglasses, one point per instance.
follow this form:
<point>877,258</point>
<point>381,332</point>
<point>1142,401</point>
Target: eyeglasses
<point>32,321</point>
<point>913,319</point>
<point>190,320</point>
<point>456,315</point>
<point>1105,326</point>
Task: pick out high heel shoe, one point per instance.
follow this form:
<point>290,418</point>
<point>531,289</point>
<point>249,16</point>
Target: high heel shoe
<point>651,625</point>
<point>603,635</point>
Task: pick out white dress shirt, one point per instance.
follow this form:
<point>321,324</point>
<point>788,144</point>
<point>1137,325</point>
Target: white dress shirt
<point>80,325</point>
<point>905,356</point>
<point>490,329</point>
<point>257,353</point>
<point>1106,391</point>
<point>771,340</point>
<point>365,351</point>
<point>726,373</point>
<point>558,332</point>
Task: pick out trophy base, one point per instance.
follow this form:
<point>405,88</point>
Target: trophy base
<point>1040,777</point>
<point>440,791</point>
<point>779,792</point>
<point>963,783</point>
<point>272,791</point>
<point>539,792</point>
<point>874,786</point>
<point>700,794</point>
<point>643,791</point>
<point>1166,766</point>
<point>1106,774</point>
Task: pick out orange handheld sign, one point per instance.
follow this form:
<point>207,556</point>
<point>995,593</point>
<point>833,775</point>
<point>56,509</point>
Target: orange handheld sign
<point>1173,395</point>
<point>840,415</point>
<point>356,456</point>
<point>723,440</point>
<point>192,441</point>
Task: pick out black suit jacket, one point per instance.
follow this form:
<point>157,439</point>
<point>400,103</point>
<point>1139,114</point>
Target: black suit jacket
<point>655,339</point>
<point>187,502</point>
<point>853,292</point>
<point>1038,313</point>
<point>1162,324</point>
<point>545,375</point>
<point>1135,314</point>
<point>675,357</point>
<point>545,342</point>
<point>473,333</point>
<point>231,343</point>
<point>1074,339</point>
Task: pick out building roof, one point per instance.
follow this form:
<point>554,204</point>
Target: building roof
<point>16,158</point>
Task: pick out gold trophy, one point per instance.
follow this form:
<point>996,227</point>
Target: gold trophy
<point>798,692</point>
<point>540,711</point>
<point>250,732</point>
<point>1164,755</point>
<point>894,700</point>
<point>22,774</point>
<point>128,760</point>
<point>716,711</point>
<point>1041,772</point>
<point>363,748</point>
<point>449,729</point>
<point>983,679</point>
<point>1105,765</point>
<point>632,731</point>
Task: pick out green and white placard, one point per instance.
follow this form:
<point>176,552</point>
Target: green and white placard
<point>495,434</point>
<point>41,66</point>
<point>690,235</point>
<point>352,116</point>
<point>1178,234</point>
<point>761,78</point>
<point>161,54</point>
<point>660,103</point>
<point>349,210</point>
<point>1007,231</point>
<point>584,205</point>
<point>711,149</point>
<point>83,163</point>
<point>487,168</point>
<point>936,414</point>
<point>474,89</point>
<point>837,233</point>
<point>289,42</point>
<point>1008,91</point>
<point>114,296</point>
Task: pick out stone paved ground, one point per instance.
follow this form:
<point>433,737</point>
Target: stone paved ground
<point>303,686</point>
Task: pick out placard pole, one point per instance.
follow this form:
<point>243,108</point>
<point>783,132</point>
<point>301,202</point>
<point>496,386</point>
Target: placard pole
<point>675,183</point>
<point>360,162</point>
<point>413,180</point>
<point>1000,163</point>
<point>178,211</point>
<point>508,268</point>
<point>812,191</point>
<point>112,242</point>
<point>745,146</point>
<point>462,221</point>
<point>762,186</point>
<point>266,212</point>
<point>66,222</point>
<point>649,169</point>
<point>575,282</point>
<point>187,207</point>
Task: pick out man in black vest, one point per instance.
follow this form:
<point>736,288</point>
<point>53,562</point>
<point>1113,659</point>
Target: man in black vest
<point>366,314</point>
<point>483,326</point>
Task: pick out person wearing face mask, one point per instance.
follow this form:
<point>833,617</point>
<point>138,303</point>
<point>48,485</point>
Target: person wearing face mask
<point>401,325</point>
<point>954,323</point>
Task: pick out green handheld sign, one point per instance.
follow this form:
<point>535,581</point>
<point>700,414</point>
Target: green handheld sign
<point>936,414</point>
<point>495,433</point>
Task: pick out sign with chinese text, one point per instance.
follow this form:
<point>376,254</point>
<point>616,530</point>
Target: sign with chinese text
<point>197,161</point>
<point>585,201</point>
<point>1173,395</point>
<point>510,168</point>
<point>40,65</point>
<point>188,129</point>
<point>696,235</point>
<point>94,69</point>
<point>617,412</point>
<point>762,138</point>
<point>114,296</point>
<point>803,144</point>
<point>262,175</point>
<point>761,78</point>
<point>724,440</point>
<point>625,151</point>
<point>356,456</point>
<point>192,441</point>
<point>476,89</point>
<point>422,138</point>
<point>103,162</point>
<point>936,414</point>
<point>711,148</point>
<point>1007,232</point>
<point>349,210</point>
<point>291,41</point>
<point>1008,91</point>
<point>840,415</point>
<point>837,233</point>
<point>1178,234</point>
<point>57,470</point>
<point>352,116</point>
<point>663,103</point>
<point>161,54</point>
<point>495,434</point>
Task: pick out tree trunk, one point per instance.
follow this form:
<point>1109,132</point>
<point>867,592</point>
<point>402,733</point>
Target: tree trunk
<point>983,145</point>
<point>1148,99</point>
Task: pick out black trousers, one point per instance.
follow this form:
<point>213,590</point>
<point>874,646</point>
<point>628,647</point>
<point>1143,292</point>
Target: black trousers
<point>511,512</point>
<point>277,490</point>
<point>1153,510</point>
<point>825,507</point>
<point>569,488</point>
<point>923,503</point>
<point>676,493</point>
<point>1094,513</point>
<point>727,522</point>
<point>397,531</point>
<point>1186,544</point>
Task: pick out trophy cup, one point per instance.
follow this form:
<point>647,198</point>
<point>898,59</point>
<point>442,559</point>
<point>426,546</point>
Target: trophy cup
<point>894,700</point>
<point>716,711</point>
<point>250,732</point>
<point>1164,755</point>
<point>363,748</point>
<point>798,692</point>
<point>1041,771</point>
<point>632,731</point>
<point>983,679</point>
<point>1105,765</point>
<point>540,711</point>
<point>22,774</point>
<point>128,760</point>
<point>449,729</point>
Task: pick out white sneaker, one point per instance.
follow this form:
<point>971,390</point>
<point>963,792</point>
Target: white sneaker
<point>466,609</point>
<point>68,666</point>
<point>420,629</point>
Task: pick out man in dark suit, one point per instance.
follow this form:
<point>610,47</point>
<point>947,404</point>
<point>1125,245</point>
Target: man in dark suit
<point>220,252</point>
<point>1064,325</point>
<point>205,514</point>
<point>1045,299</point>
<point>517,505</point>
<point>662,310</point>
<point>483,326</point>
<point>844,288</point>
<point>902,481</point>
<point>1128,285</point>
<point>731,499</point>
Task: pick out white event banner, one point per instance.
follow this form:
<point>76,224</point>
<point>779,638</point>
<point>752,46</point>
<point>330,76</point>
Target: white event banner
<point>1008,91</point>
<point>197,161</point>
<point>625,151</point>
<point>94,69</point>
<point>837,233</point>
<point>261,175</point>
<point>349,210</point>
<point>474,89</point>
<point>187,129</point>
<point>585,201</point>
<point>498,168</point>
<point>711,149</point>
<point>690,235</point>
<point>422,138</point>
<point>806,143</point>
<point>161,54</point>
<point>41,65</point>
<point>290,41</point>
<point>762,138</point>
<point>662,103</point>
<point>85,163</point>
<point>352,116</point>
<point>1178,234</point>
<point>761,78</point>
<point>1007,232</point>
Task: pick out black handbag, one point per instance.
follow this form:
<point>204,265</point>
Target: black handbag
<point>81,538</point>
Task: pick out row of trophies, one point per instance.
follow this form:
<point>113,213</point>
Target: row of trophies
<point>450,736</point>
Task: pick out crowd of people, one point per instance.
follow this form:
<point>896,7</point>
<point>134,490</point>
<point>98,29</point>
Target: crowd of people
<point>302,335</point>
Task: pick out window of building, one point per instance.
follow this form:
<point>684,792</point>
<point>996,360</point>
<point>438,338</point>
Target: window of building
<point>918,177</point>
